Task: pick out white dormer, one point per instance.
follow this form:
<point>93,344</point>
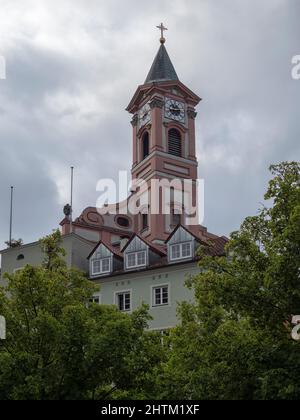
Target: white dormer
<point>136,254</point>
<point>139,254</point>
<point>101,261</point>
<point>104,259</point>
<point>181,245</point>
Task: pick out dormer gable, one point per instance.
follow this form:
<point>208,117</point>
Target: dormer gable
<point>103,260</point>
<point>182,245</point>
<point>139,254</point>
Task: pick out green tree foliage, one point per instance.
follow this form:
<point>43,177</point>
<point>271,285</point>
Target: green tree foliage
<point>235,341</point>
<point>14,243</point>
<point>61,347</point>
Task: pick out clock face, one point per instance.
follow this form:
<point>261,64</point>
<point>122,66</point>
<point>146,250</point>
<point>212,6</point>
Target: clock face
<point>145,114</point>
<point>175,110</point>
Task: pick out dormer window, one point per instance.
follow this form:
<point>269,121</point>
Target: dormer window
<point>101,266</point>
<point>136,259</point>
<point>181,251</point>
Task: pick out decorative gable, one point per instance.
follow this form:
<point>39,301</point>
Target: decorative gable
<point>101,261</point>
<point>136,244</point>
<point>181,245</point>
<point>136,254</point>
<point>180,235</point>
<point>101,252</point>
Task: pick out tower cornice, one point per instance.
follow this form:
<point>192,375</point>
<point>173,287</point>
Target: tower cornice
<point>162,88</point>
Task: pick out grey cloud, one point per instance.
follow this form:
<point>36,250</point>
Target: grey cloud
<point>66,105</point>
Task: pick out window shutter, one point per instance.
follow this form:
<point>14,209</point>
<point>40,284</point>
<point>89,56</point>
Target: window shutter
<point>175,147</point>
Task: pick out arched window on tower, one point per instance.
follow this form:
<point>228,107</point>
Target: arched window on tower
<point>176,217</point>
<point>174,141</point>
<point>145,145</point>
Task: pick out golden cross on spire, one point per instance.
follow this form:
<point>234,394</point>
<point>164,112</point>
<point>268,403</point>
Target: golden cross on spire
<point>162,28</point>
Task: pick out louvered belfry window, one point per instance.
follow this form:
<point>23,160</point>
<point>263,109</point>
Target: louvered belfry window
<point>175,147</point>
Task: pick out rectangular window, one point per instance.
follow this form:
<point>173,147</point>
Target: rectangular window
<point>101,266</point>
<point>124,301</point>
<point>95,299</point>
<point>145,224</point>
<point>18,269</point>
<point>96,266</point>
<point>160,296</point>
<point>186,250</point>
<point>175,252</point>
<point>136,259</point>
<point>181,251</point>
<point>141,258</point>
<point>105,265</point>
<point>131,260</point>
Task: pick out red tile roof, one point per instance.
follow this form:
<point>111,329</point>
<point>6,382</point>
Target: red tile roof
<point>111,248</point>
<point>155,248</point>
<point>198,239</point>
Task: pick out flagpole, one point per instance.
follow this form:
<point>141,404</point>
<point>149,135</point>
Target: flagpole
<point>72,184</point>
<point>11,215</point>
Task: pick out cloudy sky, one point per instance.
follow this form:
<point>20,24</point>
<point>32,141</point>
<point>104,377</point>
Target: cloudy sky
<point>73,65</point>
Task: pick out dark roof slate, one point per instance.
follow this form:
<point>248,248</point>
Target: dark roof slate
<point>162,68</point>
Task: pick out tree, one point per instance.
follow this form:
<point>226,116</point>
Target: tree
<point>61,347</point>
<point>14,243</point>
<point>235,341</point>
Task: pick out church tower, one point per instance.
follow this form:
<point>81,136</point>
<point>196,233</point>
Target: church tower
<point>164,144</point>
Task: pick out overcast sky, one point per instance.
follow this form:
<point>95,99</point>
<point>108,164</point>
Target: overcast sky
<point>73,66</point>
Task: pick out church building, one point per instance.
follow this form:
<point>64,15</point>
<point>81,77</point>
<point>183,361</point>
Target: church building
<point>146,256</point>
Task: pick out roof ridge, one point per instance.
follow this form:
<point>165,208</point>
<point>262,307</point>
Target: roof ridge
<point>108,246</point>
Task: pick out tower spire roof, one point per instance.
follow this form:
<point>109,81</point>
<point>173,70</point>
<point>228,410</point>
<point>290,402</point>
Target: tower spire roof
<point>162,68</point>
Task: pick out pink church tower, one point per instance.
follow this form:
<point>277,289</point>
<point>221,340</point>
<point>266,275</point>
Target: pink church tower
<point>164,151</point>
<point>164,144</point>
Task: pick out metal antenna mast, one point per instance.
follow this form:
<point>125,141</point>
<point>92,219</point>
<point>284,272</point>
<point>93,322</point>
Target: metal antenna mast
<point>11,214</point>
<point>72,184</point>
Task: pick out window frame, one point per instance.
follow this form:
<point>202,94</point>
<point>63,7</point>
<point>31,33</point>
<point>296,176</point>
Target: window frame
<point>136,253</point>
<point>153,295</point>
<point>120,219</point>
<point>16,270</point>
<point>101,272</point>
<point>145,138</point>
<point>120,293</point>
<point>181,257</point>
<point>145,218</point>
<point>94,298</point>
